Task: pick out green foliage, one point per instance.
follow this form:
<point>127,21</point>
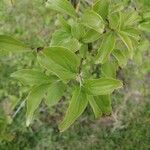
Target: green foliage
<point>76,107</point>
<point>127,41</point>
<point>102,86</point>
<point>104,36</point>
<point>32,77</point>
<point>9,44</point>
<point>33,100</point>
<point>102,7</point>
<point>90,36</point>
<point>55,92</point>
<point>96,109</point>
<point>60,61</point>
<point>61,6</point>
<point>93,20</point>
<point>65,39</point>
<point>106,48</point>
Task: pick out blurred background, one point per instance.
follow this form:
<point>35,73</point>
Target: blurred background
<point>129,126</point>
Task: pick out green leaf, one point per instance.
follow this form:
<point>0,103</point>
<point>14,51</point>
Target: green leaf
<point>96,109</point>
<point>77,30</point>
<point>83,50</point>
<point>114,21</point>
<point>106,48</point>
<point>127,41</point>
<point>116,7</point>
<point>145,26</point>
<point>132,32</point>
<point>76,107</point>
<point>65,39</point>
<point>93,20</point>
<point>64,24</point>
<point>72,44</point>
<point>104,103</point>
<point>109,69</point>
<point>131,18</point>
<point>102,8</point>
<point>33,101</point>
<point>54,93</point>
<point>32,77</point>
<point>10,44</point>
<point>120,57</point>
<point>60,61</point>
<point>91,36</point>
<point>146,15</point>
<point>102,86</point>
<point>59,37</point>
<point>62,6</point>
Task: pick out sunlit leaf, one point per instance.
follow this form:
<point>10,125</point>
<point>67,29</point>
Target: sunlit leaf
<point>62,6</point>
<point>106,48</point>
<point>64,24</point>
<point>102,86</point>
<point>127,41</point>
<point>96,109</point>
<point>33,101</point>
<point>93,20</point>
<point>102,7</point>
<point>120,57</point>
<point>12,45</point>
<point>145,26</point>
<point>116,7</point>
<point>32,77</point>
<point>91,36</point>
<point>132,32</point>
<point>55,92</point>
<point>65,39</point>
<point>77,30</point>
<point>104,103</point>
<point>76,107</point>
<point>60,61</point>
<point>109,69</point>
<point>114,21</point>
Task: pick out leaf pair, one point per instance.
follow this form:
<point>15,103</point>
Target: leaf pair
<point>90,18</point>
<point>83,95</point>
<point>60,61</point>
<point>100,105</point>
<point>43,86</point>
<point>51,92</point>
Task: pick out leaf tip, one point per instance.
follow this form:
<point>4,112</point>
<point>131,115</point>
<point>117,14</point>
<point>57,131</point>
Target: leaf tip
<point>28,122</point>
<point>61,129</point>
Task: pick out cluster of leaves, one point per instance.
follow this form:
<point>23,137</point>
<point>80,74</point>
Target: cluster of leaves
<point>84,56</point>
